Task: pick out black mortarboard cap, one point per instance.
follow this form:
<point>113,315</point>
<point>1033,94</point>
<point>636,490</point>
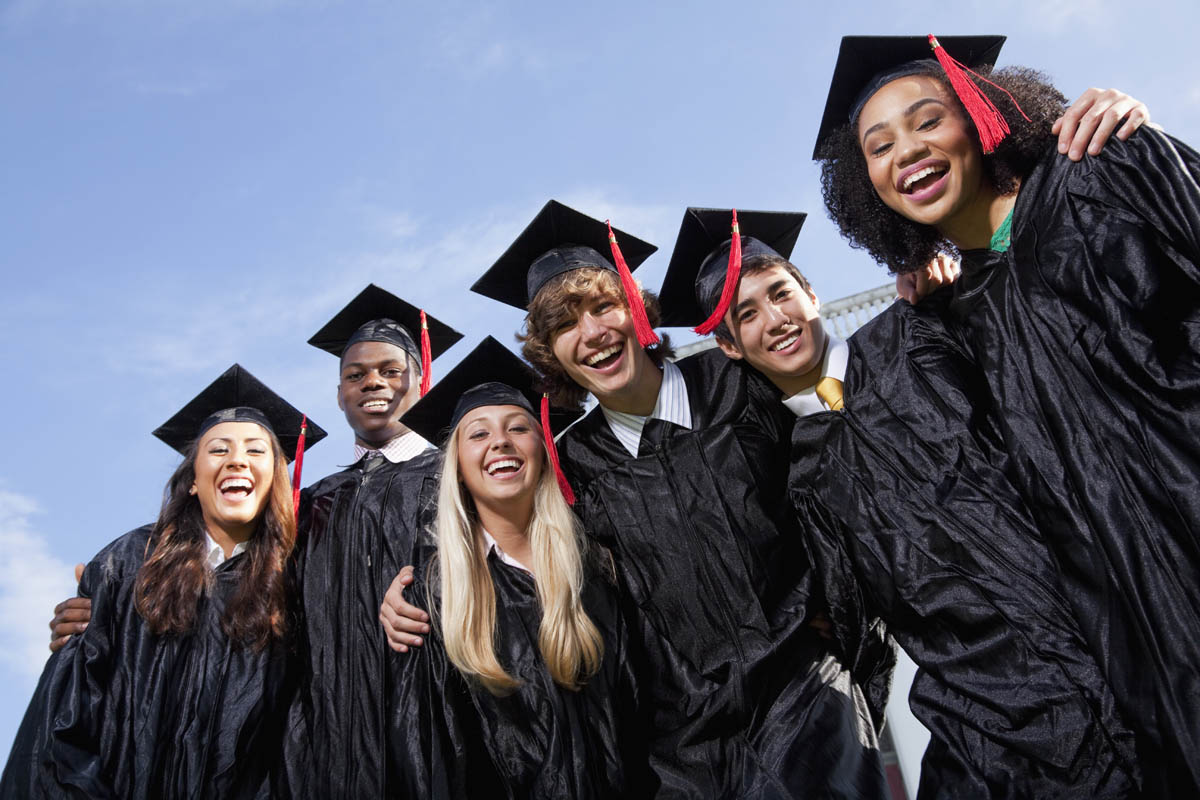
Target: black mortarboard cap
<point>559,239</point>
<point>489,375</point>
<point>377,315</point>
<point>238,396</point>
<point>696,274</point>
<point>865,63</point>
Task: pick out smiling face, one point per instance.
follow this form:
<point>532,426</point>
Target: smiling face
<point>922,156</point>
<point>597,346</point>
<point>234,468</point>
<point>500,455</point>
<point>776,326</point>
<point>375,388</point>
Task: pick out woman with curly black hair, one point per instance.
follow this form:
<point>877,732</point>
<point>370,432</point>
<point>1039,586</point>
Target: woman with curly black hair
<point>1080,306</point>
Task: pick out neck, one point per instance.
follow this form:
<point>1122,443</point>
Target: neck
<point>640,395</point>
<point>508,523</point>
<point>972,229</point>
<point>361,442</point>
<point>229,536</point>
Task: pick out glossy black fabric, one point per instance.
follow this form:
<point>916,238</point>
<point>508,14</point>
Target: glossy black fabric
<point>912,519</point>
<point>120,712</point>
<point>1087,331</point>
<point>357,529</point>
<point>747,699</point>
<point>455,739</point>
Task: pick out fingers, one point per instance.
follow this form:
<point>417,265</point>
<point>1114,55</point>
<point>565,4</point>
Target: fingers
<point>1090,121</point>
<point>57,644</point>
<point>73,603</point>
<point>906,286</point>
<point>397,638</point>
<point>401,620</point>
<point>78,572</point>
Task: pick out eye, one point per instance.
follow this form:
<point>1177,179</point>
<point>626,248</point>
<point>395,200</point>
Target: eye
<point>929,124</point>
<point>352,376</point>
<point>746,315</point>
<point>218,450</point>
<point>478,434</point>
<point>879,150</point>
<point>256,451</point>
<point>605,307</point>
<point>565,325</point>
<point>520,427</point>
<point>783,294</point>
<point>393,372</point>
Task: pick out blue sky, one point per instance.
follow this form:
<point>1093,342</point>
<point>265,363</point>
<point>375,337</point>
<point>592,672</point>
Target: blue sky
<point>188,184</point>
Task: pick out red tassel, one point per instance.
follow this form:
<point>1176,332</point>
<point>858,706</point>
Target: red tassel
<point>426,357</point>
<point>733,274</point>
<point>641,323</point>
<point>563,485</point>
<point>990,123</point>
<point>299,466</point>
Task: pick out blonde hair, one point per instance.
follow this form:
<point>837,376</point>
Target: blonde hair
<point>569,643</point>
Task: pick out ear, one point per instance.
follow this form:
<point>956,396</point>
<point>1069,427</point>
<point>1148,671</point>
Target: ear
<point>729,349</point>
<point>192,490</point>
<point>815,299</point>
<point>338,392</point>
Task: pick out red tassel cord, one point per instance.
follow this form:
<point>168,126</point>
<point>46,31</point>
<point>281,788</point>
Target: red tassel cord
<point>299,466</point>
<point>552,450</point>
<point>426,357</point>
<point>990,123</point>
<point>733,274</point>
<point>641,323</point>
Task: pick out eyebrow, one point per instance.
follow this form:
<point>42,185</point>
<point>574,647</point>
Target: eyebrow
<point>908,112</point>
<point>379,364</point>
<point>772,289</point>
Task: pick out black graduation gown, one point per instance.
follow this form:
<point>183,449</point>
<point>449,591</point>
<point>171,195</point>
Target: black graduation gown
<point>911,520</point>
<point>747,699</point>
<point>357,529</point>
<point>120,712</point>
<point>1088,334</point>
<point>454,739</point>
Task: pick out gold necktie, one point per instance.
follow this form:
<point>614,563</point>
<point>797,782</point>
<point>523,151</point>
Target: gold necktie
<point>829,390</point>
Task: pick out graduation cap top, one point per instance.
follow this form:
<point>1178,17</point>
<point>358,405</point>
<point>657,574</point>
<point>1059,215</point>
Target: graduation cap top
<point>696,275</point>
<point>377,315</point>
<point>238,396</point>
<point>558,240</point>
<point>865,63</point>
<point>490,375</point>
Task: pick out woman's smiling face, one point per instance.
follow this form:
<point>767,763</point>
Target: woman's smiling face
<point>922,155</point>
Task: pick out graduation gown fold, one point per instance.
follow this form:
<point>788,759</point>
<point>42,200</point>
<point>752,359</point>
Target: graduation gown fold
<point>356,531</point>
<point>1087,331</point>
<point>911,518</point>
<point>746,699</point>
<point>120,712</point>
<point>454,739</point>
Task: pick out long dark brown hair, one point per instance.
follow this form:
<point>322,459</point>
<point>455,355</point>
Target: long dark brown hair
<point>176,575</point>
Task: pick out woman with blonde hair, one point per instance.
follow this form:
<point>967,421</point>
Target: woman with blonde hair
<point>179,683</point>
<point>525,687</point>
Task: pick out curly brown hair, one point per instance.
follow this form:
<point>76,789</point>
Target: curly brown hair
<point>903,245</point>
<point>176,574</point>
<point>558,302</point>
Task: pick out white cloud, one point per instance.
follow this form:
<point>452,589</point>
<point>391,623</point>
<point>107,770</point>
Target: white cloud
<point>32,581</point>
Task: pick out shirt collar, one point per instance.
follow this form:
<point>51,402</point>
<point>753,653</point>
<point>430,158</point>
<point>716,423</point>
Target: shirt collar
<point>671,406</point>
<point>837,358</point>
<point>402,448</point>
<point>216,555</point>
<point>494,546</point>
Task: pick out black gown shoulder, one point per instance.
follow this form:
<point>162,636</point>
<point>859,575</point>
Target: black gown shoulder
<point>357,529</point>
<point>121,712</point>
<point>911,519</point>
<point>1087,331</point>
<point>455,739</point>
<point>746,699</point>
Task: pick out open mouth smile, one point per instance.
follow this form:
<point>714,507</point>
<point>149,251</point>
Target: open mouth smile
<point>605,358</point>
<point>238,488</point>
<point>504,467</point>
<point>786,343</point>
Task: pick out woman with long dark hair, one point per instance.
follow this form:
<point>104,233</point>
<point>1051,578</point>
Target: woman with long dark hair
<point>1080,308</point>
<point>178,684</point>
<point>524,687</point>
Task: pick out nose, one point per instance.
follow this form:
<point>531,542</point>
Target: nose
<point>590,327</point>
<point>910,148</point>
<point>237,458</point>
<point>373,380</point>
<point>775,316</point>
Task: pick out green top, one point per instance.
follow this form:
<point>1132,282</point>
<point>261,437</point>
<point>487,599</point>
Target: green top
<point>1002,238</point>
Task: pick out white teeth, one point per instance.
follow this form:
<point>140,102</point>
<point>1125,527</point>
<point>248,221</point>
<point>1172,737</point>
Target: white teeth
<point>375,404</point>
<point>785,343</point>
<point>596,358</point>
<point>918,175</point>
<point>236,483</point>
<point>507,462</point>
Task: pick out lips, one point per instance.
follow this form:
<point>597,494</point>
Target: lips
<point>503,467</point>
<point>786,342</point>
<point>236,487</point>
<point>919,177</point>
<point>604,358</point>
<point>375,404</point>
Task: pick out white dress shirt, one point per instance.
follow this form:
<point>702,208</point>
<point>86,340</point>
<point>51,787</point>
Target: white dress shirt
<point>837,358</point>
<point>671,406</point>
<point>216,555</point>
<point>402,448</point>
